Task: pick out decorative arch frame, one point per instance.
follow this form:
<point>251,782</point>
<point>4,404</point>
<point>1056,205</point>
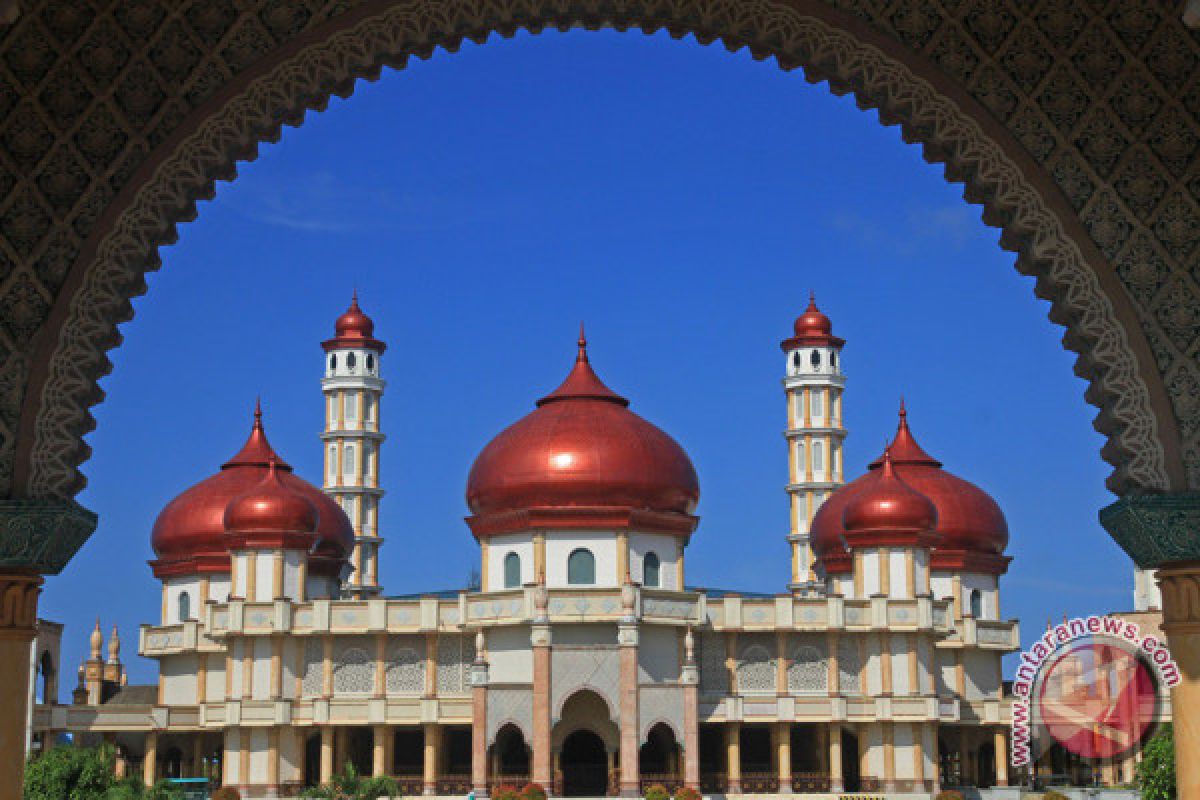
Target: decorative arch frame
<point>1017,195</point>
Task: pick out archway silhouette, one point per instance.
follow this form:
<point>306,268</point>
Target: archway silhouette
<point>829,45</point>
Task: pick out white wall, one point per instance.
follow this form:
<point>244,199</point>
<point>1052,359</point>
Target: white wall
<point>897,574</point>
<point>668,549</point>
<point>501,546</point>
<point>510,658</point>
<point>176,586</point>
<point>898,645</point>
<point>987,586</point>
<point>902,742</point>
<point>982,673</point>
<point>261,687</point>
<point>560,545</point>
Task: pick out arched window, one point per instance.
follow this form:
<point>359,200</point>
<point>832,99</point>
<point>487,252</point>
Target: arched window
<point>512,571</point>
<point>976,603</point>
<point>815,359</point>
<point>581,567</point>
<point>796,362</point>
<point>185,606</point>
<point>817,404</point>
<point>833,359</point>
<point>333,362</point>
<point>370,363</point>
<point>818,457</point>
<point>351,406</point>
<point>350,361</point>
<point>651,569</point>
<point>800,461</point>
<point>349,466</point>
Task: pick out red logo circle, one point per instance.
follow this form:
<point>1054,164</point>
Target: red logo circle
<point>1098,699</point>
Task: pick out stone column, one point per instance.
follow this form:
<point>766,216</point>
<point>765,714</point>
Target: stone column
<point>479,729</point>
<point>836,781</point>
<point>1163,531</point>
<point>18,618</point>
<point>150,761</point>
<point>733,758</point>
<point>630,735</point>
<point>433,747</point>
<point>542,763</point>
<point>690,677</point>
<point>326,754</point>
<point>783,753</point>
<point>1001,747</point>
<point>198,756</point>
<point>379,751</point>
<point>1180,584</point>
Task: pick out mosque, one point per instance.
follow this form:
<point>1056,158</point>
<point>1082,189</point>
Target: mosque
<point>586,660</point>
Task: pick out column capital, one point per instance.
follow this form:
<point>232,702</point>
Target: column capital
<point>18,604</point>
<point>1180,584</point>
<point>1155,529</point>
<point>42,535</point>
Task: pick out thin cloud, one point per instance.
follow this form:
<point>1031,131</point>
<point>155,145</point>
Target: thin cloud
<point>951,227</point>
<point>324,202</point>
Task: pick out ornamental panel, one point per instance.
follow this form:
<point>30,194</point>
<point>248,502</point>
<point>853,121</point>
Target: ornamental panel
<point>354,668</point>
<point>405,672</point>
<point>455,654</point>
<point>575,668</point>
<point>311,684</point>
<point>714,675</point>
<point>756,663</point>
<point>808,672</point>
<point>849,665</point>
<point>509,706</point>
<point>660,704</point>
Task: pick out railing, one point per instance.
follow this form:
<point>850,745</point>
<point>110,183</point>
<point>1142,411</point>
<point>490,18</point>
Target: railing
<point>670,780</point>
<point>760,782</point>
<point>454,784</point>
<point>409,785</point>
<point>810,782</point>
<point>514,781</point>
<point>713,782</point>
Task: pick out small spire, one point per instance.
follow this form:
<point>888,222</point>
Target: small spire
<point>258,412</point>
<point>812,300</point>
<point>903,410</point>
<point>96,641</point>
<point>582,356</point>
<point>114,647</point>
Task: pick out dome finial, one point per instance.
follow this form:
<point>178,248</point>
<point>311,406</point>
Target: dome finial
<point>582,343</point>
<point>903,410</point>
<point>812,300</point>
<point>258,412</point>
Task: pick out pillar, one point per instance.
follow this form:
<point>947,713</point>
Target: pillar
<point>783,753</point>
<point>479,750</point>
<point>541,764</point>
<point>1161,531</point>
<point>733,757</point>
<point>433,747</point>
<point>379,751</point>
<point>836,781</point>
<point>630,738</point>
<point>1180,584</point>
<point>691,726</point>
<point>326,754</point>
<point>150,761</point>
<point>964,758</point>
<point>1001,747</point>
<point>18,618</point>
<point>198,756</point>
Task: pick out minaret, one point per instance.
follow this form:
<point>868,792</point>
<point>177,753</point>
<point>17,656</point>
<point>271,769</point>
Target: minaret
<point>352,389</point>
<point>813,384</point>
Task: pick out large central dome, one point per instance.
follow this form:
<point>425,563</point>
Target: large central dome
<point>582,448</point>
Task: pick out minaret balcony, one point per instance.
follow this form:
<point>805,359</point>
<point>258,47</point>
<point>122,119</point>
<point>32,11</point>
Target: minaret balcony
<point>817,379</point>
<point>833,429</point>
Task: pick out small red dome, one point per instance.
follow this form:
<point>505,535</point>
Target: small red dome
<point>189,534</point>
<point>968,518</point>
<point>886,510</point>
<point>583,454</point>
<point>812,328</point>
<point>354,329</point>
<point>269,511</point>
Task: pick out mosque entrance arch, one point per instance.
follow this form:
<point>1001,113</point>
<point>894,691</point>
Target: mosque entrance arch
<point>584,765</point>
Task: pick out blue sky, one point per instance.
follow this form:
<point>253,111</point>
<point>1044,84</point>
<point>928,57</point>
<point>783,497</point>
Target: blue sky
<point>680,199</point>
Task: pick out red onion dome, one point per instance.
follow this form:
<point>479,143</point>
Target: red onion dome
<point>885,510</point>
<point>972,529</point>
<point>271,515</point>
<point>582,459</point>
<point>189,534</point>
<point>827,532</point>
<point>812,328</point>
<point>354,329</point>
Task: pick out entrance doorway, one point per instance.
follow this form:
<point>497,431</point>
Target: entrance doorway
<point>584,765</point>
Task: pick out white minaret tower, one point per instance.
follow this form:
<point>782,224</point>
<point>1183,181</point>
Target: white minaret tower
<point>813,384</point>
<point>353,388</point>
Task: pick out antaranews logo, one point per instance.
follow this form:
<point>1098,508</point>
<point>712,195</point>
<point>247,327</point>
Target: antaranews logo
<point>1091,685</point>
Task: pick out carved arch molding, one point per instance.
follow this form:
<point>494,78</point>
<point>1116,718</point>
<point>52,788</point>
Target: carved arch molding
<point>116,118</point>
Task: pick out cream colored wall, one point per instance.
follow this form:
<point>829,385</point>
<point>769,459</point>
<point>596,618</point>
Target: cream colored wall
<point>214,689</point>
<point>898,580</point>
<point>874,743</point>
<point>902,747</point>
<point>177,676</point>
<point>261,687</point>
<point>898,645</point>
<point>258,755</point>
<point>658,654</point>
<point>874,683</point>
<point>981,673</point>
<point>987,586</point>
<point>510,659</point>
